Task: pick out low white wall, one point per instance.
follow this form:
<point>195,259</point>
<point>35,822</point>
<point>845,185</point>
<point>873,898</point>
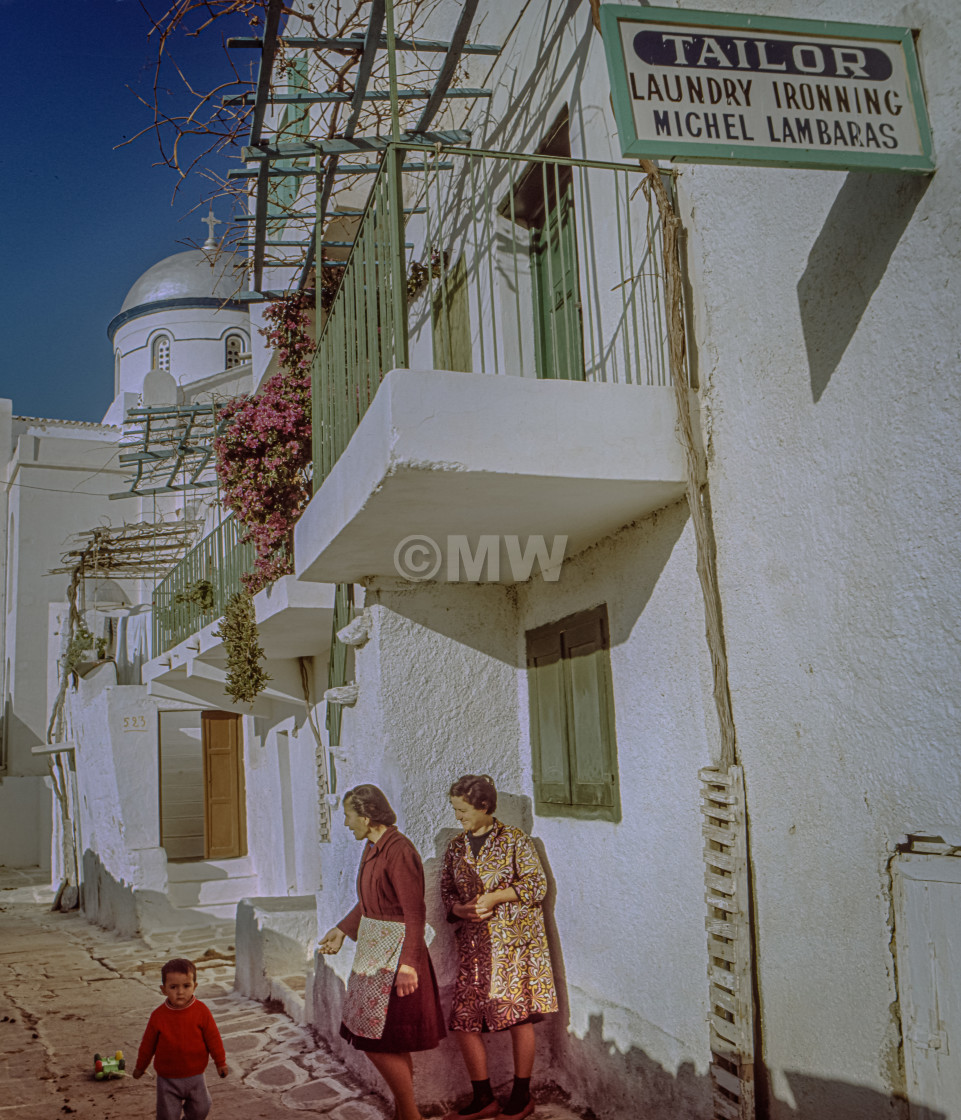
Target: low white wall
<point>125,869</point>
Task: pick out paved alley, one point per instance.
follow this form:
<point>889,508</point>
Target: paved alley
<point>68,989</point>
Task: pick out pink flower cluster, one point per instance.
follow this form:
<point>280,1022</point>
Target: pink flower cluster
<point>264,451</point>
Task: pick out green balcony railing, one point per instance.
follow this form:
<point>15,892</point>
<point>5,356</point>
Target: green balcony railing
<point>196,591</point>
<point>521,264</point>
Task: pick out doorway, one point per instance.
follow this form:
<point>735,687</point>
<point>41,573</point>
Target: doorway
<point>928,923</point>
<point>202,789</point>
<point>543,203</point>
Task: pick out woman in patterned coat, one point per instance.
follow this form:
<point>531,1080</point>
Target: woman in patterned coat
<point>493,885</point>
<point>391,1005</point>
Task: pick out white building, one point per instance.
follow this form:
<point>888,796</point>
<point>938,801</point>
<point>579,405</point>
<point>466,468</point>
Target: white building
<point>131,764</point>
<point>780,929</point>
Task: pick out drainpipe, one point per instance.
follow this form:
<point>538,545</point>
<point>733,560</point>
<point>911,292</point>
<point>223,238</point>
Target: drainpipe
<point>735,1013</point>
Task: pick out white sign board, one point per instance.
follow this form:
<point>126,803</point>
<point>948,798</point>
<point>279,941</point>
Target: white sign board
<point>722,88</point>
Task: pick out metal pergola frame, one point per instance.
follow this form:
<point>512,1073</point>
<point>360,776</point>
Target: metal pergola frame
<point>170,442</point>
<point>327,154</point>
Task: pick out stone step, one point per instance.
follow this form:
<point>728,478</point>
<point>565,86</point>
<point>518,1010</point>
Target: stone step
<point>207,892</point>
<point>196,870</point>
<point>222,911</point>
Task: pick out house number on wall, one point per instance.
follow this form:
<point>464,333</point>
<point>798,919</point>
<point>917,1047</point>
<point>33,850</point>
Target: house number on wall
<point>135,723</point>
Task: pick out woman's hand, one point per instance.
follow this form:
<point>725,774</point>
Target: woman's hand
<point>223,1070</point>
<point>467,911</point>
<point>406,982</point>
<point>332,941</point>
<point>485,904</point>
<point>137,1073</point>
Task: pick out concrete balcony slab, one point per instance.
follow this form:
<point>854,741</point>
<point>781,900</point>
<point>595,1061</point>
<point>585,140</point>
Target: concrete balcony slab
<point>441,454</point>
<point>294,619</point>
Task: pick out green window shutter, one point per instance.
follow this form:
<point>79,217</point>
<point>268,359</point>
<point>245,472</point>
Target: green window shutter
<point>558,331</point>
<point>586,651</point>
<point>340,666</point>
<point>552,779</point>
<point>450,316</point>
<point>572,716</point>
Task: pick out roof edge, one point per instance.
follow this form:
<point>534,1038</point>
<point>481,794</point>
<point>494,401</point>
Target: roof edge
<point>197,302</point>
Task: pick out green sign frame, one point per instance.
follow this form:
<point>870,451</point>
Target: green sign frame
<point>856,39</point>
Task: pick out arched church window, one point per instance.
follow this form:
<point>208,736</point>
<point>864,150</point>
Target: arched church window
<point>233,350</point>
<point>116,372</point>
<point>160,353</point>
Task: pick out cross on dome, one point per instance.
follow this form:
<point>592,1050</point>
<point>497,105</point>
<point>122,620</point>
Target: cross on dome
<point>210,221</point>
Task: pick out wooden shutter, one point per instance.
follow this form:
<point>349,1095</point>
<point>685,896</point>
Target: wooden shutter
<point>451,322</point>
<point>586,651</point>
<point>551,752</point>
<point>558,331</point>
<point>225,825</point>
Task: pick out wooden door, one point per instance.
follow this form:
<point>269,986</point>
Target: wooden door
<point>225,817</point>
<point>181,785</point>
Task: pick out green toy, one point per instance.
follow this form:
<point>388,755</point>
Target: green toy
<point>108,1068</point>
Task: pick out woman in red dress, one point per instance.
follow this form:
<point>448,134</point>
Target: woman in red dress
<point>391,1007</point>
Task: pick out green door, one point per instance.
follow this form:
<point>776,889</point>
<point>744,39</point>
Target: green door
<point>558,337</point>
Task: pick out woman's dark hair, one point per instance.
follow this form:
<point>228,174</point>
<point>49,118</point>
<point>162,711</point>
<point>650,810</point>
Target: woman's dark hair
<point>368,801</point>
<point>478,790</point>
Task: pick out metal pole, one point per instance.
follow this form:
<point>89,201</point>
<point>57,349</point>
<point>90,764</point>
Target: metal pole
<point>395,193</point>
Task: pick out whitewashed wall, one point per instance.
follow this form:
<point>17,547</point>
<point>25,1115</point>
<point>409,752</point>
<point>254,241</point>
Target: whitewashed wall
<point>124,866</point>
<point>57,482</point>
<point>829,359</point>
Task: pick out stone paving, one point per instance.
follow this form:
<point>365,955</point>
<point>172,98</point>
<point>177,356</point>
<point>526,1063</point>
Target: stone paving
<point>69,988</point>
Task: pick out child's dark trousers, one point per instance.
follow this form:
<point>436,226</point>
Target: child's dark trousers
<point>187,1093</point>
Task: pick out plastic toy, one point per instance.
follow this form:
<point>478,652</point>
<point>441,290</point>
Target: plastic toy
<point>108,1068</point>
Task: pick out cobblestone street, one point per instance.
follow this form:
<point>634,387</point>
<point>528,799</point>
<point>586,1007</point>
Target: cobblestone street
<point>68,989</point>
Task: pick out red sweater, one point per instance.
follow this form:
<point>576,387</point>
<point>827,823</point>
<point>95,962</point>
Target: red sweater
<point>180,1039</point>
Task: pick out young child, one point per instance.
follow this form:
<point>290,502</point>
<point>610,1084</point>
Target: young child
<point>181,1036</point>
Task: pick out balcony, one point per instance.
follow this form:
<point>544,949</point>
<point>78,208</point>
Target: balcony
<point>196,591</point>
<point>513,381</point>
<point>190,661</point>
<point>293,621</point>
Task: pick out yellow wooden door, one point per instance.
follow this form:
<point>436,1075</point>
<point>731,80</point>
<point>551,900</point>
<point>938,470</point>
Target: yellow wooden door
<point>225,817</point>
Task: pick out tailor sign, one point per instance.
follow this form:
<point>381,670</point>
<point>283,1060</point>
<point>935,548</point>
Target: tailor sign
<point>714,87</point>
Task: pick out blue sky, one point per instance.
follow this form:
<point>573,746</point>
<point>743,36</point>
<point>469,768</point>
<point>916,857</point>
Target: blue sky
<point>82,218</point>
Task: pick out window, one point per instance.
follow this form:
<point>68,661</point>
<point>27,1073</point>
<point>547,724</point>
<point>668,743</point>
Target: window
<point>233,351</point>
<point>160,353</point>
<point>543,203</point>
<point>116,372</point>
<point>572,717</point>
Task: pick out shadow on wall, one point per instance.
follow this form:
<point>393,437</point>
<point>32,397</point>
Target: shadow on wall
<point>847,262</point>
<point>598,1077</point>
<point>463,612</point>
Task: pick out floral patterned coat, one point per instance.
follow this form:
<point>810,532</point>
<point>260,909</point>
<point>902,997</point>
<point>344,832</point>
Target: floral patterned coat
<point>505,971</point>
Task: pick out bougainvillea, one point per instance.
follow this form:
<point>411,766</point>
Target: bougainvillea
<point>264,452</point>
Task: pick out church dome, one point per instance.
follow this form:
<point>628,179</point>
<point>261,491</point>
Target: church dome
<point>196,280</point>
<point>186,276</point>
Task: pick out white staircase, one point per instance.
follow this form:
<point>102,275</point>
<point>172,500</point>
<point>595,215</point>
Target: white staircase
<point>211,886</point>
